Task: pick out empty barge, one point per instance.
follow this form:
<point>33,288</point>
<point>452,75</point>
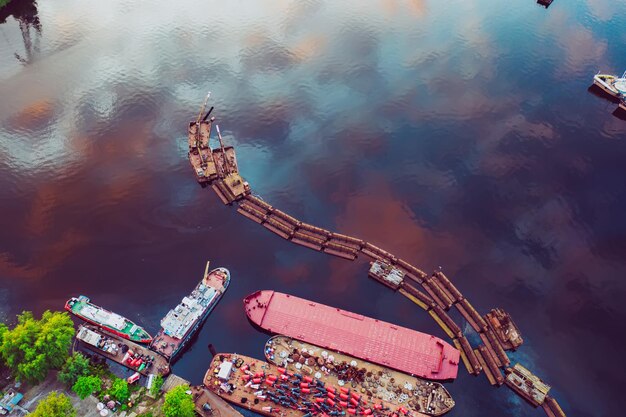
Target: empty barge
<point>181,323</point>
<point>376,341</point>
<point>374,381</point>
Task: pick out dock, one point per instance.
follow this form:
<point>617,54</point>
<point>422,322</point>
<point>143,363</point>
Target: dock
<point>436,294</point>
<point>209,404</point>
<point>136,357</point>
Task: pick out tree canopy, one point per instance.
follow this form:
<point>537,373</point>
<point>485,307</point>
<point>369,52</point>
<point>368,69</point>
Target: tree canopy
<point>75,366</point>
<point>119,390</point>
<point>87,385</point>
<point>178,403</point>
<point>33,347</point>
<point>54,405</point>
<point>156,385</point>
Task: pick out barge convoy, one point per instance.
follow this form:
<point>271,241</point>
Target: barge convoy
<point>372,380</point>
<point>438,296</point>
<point>132,355</point>
<point>373,340</point>
<point>82,308</point>
<point>181,323</point>
<point>273,391</point>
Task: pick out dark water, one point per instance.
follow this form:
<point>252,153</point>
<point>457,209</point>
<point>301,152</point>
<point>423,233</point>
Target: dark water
<point>455,134</point>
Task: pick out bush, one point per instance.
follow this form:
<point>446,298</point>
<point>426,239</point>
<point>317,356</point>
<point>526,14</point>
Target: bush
<point>119,390</point>
<point>33,347</point>
<point>87,385</point>
<point>75,366</point>
<point>156,385</point>
<point>54,405</point>
<point>178,403</point>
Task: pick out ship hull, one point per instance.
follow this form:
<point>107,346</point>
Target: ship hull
<point>180,344</point>
<point>392,346</point>
<point>145,340</point>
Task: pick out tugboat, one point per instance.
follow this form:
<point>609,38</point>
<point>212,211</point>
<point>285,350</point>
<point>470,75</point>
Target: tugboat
<point>375,381</point>
<point>185,319</point>
<point>611,84</point>
<point>82,308</point>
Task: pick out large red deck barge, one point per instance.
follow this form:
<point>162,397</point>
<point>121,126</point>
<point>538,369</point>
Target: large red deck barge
<point>406,350</point>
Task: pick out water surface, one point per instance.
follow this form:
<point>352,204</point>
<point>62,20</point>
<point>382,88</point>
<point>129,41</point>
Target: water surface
<point>455,134</point>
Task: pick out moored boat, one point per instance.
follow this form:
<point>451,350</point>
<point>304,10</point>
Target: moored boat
<point>376,341</point>
<point>200,154</point>
<point>270,390</point>
<point>370,379</point>
<point>82,308</point>
<point>180,323</point>
<point>611,84</point>
<point>129,354</point>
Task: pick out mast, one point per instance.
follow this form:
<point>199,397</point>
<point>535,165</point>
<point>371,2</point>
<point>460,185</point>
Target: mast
<point>219,135</point>
<point>206,100</point>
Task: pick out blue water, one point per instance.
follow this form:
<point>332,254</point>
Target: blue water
<point>456,134</point>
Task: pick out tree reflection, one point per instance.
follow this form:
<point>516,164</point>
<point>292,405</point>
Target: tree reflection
<point>25,13</point>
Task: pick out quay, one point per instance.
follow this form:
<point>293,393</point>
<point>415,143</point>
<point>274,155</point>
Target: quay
<point>437,294</point>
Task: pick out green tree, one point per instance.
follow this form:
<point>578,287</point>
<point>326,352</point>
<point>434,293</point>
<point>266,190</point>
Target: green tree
<point>119,390</point>
<point>75,366</point>
<point>87,385</point>
<point>178,403</point>
<point>156,385</point>
<point>33,347</point>
<point>54,405</point>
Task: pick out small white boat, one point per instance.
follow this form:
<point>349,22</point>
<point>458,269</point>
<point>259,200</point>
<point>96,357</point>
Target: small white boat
<point>611,84</point>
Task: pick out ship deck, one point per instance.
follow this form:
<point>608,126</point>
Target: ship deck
<point>377,382</point>
<point>292,399</point>
<point>159,366</point>
<point>373,340</point>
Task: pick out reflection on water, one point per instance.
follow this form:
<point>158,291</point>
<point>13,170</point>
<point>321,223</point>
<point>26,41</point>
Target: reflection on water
<point>456,134</point>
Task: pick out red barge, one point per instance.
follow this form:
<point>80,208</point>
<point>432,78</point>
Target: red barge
<point>386,344</point>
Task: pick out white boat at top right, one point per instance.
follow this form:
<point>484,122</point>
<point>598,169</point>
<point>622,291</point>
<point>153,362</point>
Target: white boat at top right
<point>611,84</point>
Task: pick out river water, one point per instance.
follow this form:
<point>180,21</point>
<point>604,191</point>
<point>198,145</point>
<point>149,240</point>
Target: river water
<point>460,135</point>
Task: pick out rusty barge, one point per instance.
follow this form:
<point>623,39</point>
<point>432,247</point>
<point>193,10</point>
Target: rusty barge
<point>403,349</point>
<point>369,379</point>
<point>273,391</point>
<point>129,354</point>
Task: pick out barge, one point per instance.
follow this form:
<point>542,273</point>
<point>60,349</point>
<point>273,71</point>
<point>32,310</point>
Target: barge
<point>386,274</point>
<point>376,341</point>
<point>124,352</point>
<point>526,384</point>
<point>375,381</point>
<point>82,308</point>
<point>272,391</point>
<point>182,322</point>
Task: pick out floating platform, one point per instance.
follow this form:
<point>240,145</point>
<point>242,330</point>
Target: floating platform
<point>376,341</point>
<point>371,380</point>
<point>386,274</point>
<point>527,385</point>
<point>132,355</point>
<point>272,391</point>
